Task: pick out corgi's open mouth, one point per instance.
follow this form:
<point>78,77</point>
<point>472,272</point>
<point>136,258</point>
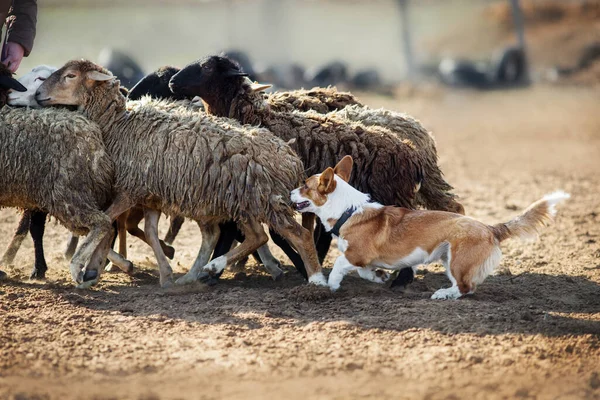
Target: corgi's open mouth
<point>302,205</point>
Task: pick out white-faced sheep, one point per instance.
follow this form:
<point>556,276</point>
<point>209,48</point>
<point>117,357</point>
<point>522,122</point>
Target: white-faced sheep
<point>191,166</point>
<point>55,161</point>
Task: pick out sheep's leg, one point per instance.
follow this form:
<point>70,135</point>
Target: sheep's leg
<point>15,243</point>
<point>210,237</point>
<point>122,234</point>
<point>239,237</point>
<point>119,261</point>
<point>272,265</point>
<point>226,238</point>
<point>151,227</point>
<point>36,229</point>
<point>71,246</point>
<point>323,243</point>
<point>136,214</point>
<point>308,222</point>
<point>255,237</point>
<point>302,240</point>
<point>290,252</point>
<point>100,227</point>
<point>174,227</point>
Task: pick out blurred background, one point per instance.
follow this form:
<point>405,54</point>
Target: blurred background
<point>372,45</point>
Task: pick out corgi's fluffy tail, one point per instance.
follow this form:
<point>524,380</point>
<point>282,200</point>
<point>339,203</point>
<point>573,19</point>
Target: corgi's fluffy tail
<point>528,224</point>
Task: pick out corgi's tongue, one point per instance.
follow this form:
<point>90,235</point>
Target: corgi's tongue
<point>302,205</point>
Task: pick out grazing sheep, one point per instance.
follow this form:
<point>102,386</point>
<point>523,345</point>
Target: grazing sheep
<point>54,160</point>
<point>197,166</point>
<point>388,167</point>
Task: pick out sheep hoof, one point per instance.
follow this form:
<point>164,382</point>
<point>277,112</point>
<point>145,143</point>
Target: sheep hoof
<point>38,274</point>
<point>185,279</point>
<point>212,281</point>
<point>278,276</point>
<point>90,275</point>
<point>167,283</point>
<point>90,278</point>
<point>129,269</point>
<point>3,275</point>
<point>403,277</point>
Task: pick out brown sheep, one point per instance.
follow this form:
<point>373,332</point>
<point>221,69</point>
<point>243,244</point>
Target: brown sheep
<point>196,166</point>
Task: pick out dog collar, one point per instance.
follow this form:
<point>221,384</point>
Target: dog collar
<point>338,225</point>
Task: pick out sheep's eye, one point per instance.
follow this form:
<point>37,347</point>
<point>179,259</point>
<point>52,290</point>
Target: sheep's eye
<point>39,78</point>
<point>70,76</point>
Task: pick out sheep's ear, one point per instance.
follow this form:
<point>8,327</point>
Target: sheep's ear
<point>343,169</point>
<point>327,181</point>
<point>99,76</point>
<point>260,87</point>
<point>11,83</point>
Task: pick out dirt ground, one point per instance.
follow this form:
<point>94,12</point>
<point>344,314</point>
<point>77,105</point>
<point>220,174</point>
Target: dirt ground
<point>530,331</point>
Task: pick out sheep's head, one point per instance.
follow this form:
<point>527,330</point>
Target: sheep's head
<point>7,82</point>
<point>156,84</point>
<point>31,81</point>
<point>75,83</point>
<point>216,79</point>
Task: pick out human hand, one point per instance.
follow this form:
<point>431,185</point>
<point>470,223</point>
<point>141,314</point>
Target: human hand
<point>14,54</point>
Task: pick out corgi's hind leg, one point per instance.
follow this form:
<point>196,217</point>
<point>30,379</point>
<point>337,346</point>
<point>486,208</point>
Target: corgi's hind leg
<point>467,268</point>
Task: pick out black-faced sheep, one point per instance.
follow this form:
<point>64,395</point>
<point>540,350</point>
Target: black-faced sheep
<point>196,166</point>
<point>387,167</point>
<point>156,84</point>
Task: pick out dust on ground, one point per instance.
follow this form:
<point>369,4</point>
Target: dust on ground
<point>530,331</point>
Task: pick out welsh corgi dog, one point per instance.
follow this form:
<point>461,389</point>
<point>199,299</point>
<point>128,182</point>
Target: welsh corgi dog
<point>371,235</point>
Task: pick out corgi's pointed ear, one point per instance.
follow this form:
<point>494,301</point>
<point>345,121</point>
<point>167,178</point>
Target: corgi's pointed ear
<point>327,181</point>
<point>344,168</point>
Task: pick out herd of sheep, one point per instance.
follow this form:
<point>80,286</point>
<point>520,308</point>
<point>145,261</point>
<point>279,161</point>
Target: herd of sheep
<point>204,143</point>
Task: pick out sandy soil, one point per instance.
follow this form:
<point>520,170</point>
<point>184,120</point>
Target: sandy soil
<point>530,331</point>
